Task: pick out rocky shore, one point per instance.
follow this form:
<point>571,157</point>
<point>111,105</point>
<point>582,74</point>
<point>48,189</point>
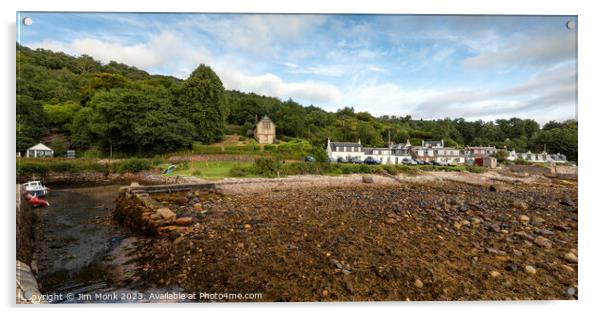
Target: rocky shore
<point>427,240</point>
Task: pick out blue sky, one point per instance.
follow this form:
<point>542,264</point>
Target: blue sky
<point>476,67</point>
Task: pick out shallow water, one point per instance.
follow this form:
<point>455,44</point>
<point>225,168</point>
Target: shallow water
<point>76,247</point>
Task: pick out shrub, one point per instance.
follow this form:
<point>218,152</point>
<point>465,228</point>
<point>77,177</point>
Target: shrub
<point>319,154</point>
<point>238,171</point>
<point>92,153</point>
<point>268,167</point>
<point>521,161</point>
<point>132,165</point>
<point>28,168</point>
<point>475,169</point>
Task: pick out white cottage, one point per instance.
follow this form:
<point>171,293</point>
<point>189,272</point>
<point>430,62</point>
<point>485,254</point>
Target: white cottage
<point>345,151</point>
<point>39,150</point>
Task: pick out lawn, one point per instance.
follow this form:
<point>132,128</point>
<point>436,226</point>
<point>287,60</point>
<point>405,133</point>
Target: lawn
<point>211,170</point>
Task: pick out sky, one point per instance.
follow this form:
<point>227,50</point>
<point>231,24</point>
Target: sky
<point>426,66</point>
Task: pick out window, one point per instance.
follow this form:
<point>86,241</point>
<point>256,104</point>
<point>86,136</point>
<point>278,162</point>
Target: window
<point>267,125</point>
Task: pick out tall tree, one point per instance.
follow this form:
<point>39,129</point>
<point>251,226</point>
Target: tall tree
<point>202,96</point>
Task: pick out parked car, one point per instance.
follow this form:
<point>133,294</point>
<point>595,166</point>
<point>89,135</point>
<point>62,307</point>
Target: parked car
<point>309,159</point>
<point>409,161</point>
<point>371,161</point>
<point>420,162</point>
<point>341,160</point>
<point>355,160</point>
<point>441,163</point>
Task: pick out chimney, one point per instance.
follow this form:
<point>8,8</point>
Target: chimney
<point>359,141</point>
<point>423,143</point>
<point>256,118</point>
<point>442,143</point>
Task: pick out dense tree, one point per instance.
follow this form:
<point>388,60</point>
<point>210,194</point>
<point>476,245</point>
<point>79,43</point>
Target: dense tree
<point>31,122</point>
<point>561,139</point>
<point>203,98</point>
<point>134,121</point>
<point>60,116</point>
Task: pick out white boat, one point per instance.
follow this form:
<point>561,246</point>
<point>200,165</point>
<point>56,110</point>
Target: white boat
<point>35,188</point>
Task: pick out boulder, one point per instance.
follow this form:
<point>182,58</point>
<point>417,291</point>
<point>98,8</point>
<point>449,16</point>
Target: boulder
<point>166,213</point>
<point>530,270</point>
<point>184,221</point>
<point>520,205</point>
<point>570,257</point>
<point>542,242</point>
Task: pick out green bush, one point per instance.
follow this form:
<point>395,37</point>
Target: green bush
<point>521,161</point>
<point>268,167</point>
<point>132,165</point>
<point>63,166</point>
<point>475,169</point>
<point>29,168</point>
<point>40,167</point>
<point>92,153</point>
<point>238,171</point>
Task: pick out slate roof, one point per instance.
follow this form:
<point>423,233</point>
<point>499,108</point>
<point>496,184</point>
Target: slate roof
<point>333,145</point>
<point>433,143</point>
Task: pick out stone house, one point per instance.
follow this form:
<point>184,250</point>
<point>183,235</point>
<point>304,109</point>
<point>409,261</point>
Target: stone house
<point>265,131</point>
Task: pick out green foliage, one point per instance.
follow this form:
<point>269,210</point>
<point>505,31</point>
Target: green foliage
<point>267,167</point>
<point>30,123</point>
<point>475,169</point>
<point>559,139</point>
<point>60,116</point>
<point>41,167</point>
<point>132,165</point>
<point>501,155</point>
<point>132,121</point>
<point>203,99</point>
<point>59,144</point>
<point>521,161</point>
<point>92,153</point>
<point>103,82</point>
<point>239,171</point>
<point>319,154</point>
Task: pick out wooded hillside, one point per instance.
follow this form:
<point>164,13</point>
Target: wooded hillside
<point>83,104</point>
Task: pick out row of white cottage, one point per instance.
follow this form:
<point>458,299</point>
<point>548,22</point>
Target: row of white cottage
<point>434,151</point>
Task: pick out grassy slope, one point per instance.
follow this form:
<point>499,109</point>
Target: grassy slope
<point>211,170</point>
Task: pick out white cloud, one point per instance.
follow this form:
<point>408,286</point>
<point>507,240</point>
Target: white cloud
<point>322,70</point>
<point>138,55</point>
<point>550,94</point>
<point>528,51</point>
<point>272,85</point>
<point>166,52</point>
<point>376,69</point>
<point>261,35</point>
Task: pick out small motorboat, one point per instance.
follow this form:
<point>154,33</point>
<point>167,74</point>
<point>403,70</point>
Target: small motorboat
<point>35,188</point>
<point>36,201</point>
<point>169,169</point>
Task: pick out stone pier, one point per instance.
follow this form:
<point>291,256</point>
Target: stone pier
<point>139,211</point>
